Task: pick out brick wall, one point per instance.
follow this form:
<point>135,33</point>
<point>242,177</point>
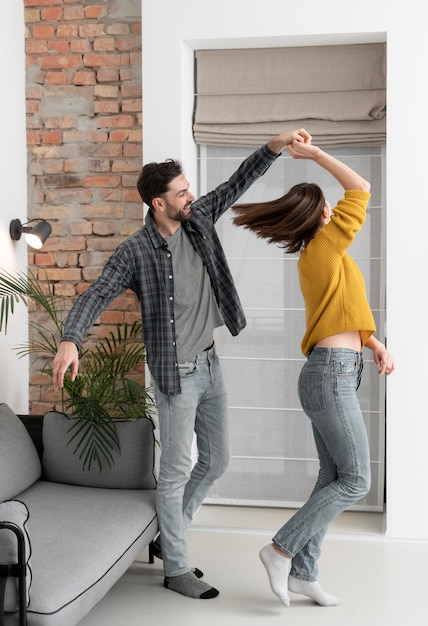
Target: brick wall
<point>84,137</point>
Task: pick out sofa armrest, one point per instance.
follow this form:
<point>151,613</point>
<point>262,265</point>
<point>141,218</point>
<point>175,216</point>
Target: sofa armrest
<point>15,572</point>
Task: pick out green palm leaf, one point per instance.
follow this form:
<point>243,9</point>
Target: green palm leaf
<point>106,387</point>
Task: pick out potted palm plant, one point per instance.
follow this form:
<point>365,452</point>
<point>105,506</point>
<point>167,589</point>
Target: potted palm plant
<point>105,388</point>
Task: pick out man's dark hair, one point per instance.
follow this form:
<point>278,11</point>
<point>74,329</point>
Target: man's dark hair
<point>154,179</point>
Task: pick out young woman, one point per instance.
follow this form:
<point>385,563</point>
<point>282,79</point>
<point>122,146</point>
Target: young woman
<point>339,323</point>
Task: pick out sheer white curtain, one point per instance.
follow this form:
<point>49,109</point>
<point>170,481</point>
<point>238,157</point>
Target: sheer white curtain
<point>274,459</point>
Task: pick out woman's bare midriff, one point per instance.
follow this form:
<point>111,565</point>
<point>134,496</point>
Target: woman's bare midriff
<point>350,339</point>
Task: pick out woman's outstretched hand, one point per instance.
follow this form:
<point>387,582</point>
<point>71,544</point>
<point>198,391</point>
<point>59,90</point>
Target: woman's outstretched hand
<point>299,149</point>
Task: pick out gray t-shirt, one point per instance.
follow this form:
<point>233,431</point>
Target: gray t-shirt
<point>195,307</point>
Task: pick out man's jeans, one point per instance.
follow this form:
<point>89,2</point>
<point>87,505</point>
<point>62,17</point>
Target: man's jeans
<point>201,408</point>
<point>328,384</point>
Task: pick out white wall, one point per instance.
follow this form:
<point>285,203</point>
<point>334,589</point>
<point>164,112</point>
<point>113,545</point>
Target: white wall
<point>13,184</point>
<point>172,30</point>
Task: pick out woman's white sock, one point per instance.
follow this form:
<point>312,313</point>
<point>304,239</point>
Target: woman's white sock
<point>278,567</point>
<point>312,590</point>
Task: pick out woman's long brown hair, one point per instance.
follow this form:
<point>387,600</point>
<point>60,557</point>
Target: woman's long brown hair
<point>290,221</point>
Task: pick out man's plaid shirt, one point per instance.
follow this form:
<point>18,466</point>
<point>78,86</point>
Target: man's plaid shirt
<point>143,264</point>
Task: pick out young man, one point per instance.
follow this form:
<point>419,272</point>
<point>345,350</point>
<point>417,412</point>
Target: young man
<point>176,266</point>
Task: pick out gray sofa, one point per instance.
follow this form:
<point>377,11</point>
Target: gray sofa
<point>75,531</point>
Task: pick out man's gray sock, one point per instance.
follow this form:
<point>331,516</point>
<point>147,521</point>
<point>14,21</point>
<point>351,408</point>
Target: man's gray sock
<point>189,585</point>
<point>156,550</point>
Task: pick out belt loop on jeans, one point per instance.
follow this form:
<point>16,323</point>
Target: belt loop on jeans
<point>328,355</point>
<point>324,352</point>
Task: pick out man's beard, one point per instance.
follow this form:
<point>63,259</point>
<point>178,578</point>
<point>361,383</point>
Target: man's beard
<point>181,216</point>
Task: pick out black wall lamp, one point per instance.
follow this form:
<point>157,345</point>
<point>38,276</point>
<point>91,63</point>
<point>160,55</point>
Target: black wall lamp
<point>35,236</point>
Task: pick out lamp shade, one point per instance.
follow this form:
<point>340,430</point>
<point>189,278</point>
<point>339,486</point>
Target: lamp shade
<point>38,235</point>
<point>35,236</point>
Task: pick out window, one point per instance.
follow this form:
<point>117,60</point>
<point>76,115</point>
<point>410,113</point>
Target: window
<point>274,461</point>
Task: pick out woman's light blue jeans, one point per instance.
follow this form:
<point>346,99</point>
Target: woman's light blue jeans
<point>328,386</point>
<point>201,408</point>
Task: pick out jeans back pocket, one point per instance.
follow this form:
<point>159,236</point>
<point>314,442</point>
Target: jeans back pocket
<point>310,389</point>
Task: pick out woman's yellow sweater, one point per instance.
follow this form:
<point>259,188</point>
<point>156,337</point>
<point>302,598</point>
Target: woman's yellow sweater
<point>332,284</point>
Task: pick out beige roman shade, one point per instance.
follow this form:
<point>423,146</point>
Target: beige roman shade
<point>246,96</point>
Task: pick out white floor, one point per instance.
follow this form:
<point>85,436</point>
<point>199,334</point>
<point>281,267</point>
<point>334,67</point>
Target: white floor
<point>380,580</point>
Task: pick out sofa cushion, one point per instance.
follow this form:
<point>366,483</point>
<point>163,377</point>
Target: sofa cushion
<point>16,513</point>
<point>20,465</point>
<point>83,539</point>
<point>133,467</point>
